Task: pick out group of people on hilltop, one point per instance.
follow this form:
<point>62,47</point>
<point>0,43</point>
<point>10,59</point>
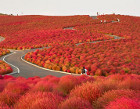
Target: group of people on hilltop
<point>104,21</point>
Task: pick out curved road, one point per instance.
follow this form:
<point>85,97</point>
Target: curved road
<point>27,70</point>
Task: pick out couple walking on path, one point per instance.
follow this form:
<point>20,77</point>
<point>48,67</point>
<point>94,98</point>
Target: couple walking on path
<point>84,71</point>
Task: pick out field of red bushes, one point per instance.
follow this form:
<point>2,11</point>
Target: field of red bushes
<point>70,92</point>
<point>26,32</point>
<point>112,63</point>
<point>128,27</point>
<point>44,38</point>
<point>102,58</point>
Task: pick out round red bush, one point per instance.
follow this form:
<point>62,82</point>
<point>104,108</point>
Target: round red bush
<point>114,94</point>
<point>9,98</point>
<point>85,78</point>
<point>2,85</point>
<point>89,91</point>
<point>75,103</point>
<point>67,83</point>
<point>4,106</point>
<point>42,86</point>
<point>130,83</point>
<point>124,103</point>
<point>15,87</point>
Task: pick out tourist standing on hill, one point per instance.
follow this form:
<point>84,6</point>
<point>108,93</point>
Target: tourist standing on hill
<point>84,71</point>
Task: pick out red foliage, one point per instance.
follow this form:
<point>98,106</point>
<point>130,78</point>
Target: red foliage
<point>4,52</point>
<point>42,86</point>
<point>102,58</point>
<point>124,103</point>
<point>120,58</point>
<point>2,85</point>
<point>17,88</point>
<point>26,32</point>
<point>88,91</point>
<point>9,98</point>
<point>130,83</point>
<point>39,100</point>
<point>4,106</point>
<point>85,78</point>
<point>77,91</point>
<point>54,80</point>
<point>1,77</point>
<point>67,83</point>
<point>75,103</point>
<point>5,68</point>
<point>115,94</point>
<point>8,77</point>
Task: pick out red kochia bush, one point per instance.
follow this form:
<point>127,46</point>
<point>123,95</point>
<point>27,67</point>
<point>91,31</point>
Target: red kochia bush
<point>9,98</point>
<point>68,92</point>
<point>42,86</point>
<point>2,85</point>
<point>39,100</point>
<point>54,80</point>
<point>8,77</point>
<point>75,103</point>
<point>48,77</point>
<point>51,79</point>
<point>130,83</point>
<point>124,103</point>
<point>85,78</point>
<point>4,106</point>
<point>1,77</point>
<point>15,87</point>
<point>67,83</point>
<point>117,77</point>
<point>114,94</point>
<point>89,91</point>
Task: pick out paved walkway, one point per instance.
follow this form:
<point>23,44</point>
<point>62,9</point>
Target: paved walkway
<point>27,70</point>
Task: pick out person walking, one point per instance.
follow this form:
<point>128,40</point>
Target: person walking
<point>84,71</point>
<point>118,20</point>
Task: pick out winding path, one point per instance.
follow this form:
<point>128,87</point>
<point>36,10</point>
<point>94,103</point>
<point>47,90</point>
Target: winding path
<point>27,70</point>
<point>21,68</point>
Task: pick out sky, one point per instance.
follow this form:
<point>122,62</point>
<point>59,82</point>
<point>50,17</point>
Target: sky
<point>70,7</point>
